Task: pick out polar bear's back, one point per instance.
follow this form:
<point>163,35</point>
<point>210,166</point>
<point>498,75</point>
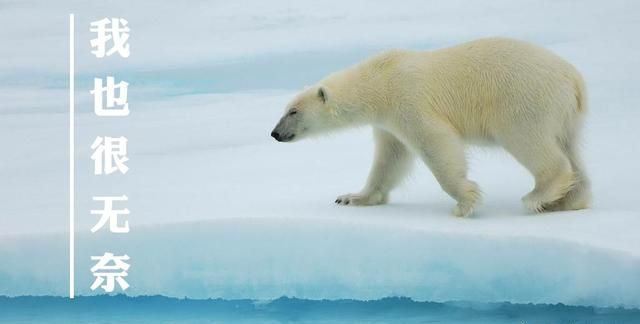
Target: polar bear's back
<point>490,84</point>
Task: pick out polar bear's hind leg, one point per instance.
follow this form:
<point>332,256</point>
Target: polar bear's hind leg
<point>551,168</point>
<point>579,197</point>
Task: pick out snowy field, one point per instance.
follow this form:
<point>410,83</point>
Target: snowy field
<point>221,210</point>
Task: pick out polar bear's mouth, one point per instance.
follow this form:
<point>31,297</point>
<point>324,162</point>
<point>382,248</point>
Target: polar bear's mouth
<point>282,137</point>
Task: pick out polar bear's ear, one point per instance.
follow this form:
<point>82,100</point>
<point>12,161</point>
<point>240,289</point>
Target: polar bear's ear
<point>322,94</point>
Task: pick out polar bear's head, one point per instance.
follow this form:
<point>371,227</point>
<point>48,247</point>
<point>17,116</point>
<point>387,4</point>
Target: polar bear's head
<point>311,112</point>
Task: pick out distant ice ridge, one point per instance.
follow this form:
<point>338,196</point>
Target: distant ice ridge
<point>330,258</point>
<point>161,310</point>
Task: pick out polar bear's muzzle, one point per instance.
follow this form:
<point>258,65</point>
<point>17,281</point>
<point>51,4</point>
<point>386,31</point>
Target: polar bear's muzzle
<point>283,131</point>
<point>282,138</point>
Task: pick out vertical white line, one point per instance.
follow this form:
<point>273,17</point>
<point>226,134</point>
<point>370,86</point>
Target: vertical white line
<point>71,158</point>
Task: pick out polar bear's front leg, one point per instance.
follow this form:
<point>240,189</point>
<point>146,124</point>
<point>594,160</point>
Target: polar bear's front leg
<point>442,150</point>
<point>391,164</point>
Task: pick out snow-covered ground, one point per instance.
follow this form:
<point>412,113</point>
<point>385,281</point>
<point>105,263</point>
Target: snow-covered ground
<point>219,209</point>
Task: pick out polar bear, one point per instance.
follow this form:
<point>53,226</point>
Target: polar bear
<point>431,104</point>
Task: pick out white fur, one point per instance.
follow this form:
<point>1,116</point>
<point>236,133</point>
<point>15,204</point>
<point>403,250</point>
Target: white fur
<point>431,104</point>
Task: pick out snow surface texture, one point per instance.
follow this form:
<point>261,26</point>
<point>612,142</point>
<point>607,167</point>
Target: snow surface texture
<point>219,209</point>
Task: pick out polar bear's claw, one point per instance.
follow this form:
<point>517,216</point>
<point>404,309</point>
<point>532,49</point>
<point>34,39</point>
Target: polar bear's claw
<point>360,199</point>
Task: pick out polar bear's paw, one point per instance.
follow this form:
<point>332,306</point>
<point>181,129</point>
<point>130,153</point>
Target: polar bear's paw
<point>533,203</point>
<point>362,199</point>
<point>470,197</point>
<point>462,210</point>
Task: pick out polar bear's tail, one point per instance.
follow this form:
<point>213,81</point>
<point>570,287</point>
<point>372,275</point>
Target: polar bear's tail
<point>581,95</point>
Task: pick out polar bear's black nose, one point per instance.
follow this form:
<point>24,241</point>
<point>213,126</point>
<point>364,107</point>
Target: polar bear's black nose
<point>275,135</point>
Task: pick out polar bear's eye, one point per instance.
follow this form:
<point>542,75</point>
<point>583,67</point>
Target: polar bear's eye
<point>293,112</point>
